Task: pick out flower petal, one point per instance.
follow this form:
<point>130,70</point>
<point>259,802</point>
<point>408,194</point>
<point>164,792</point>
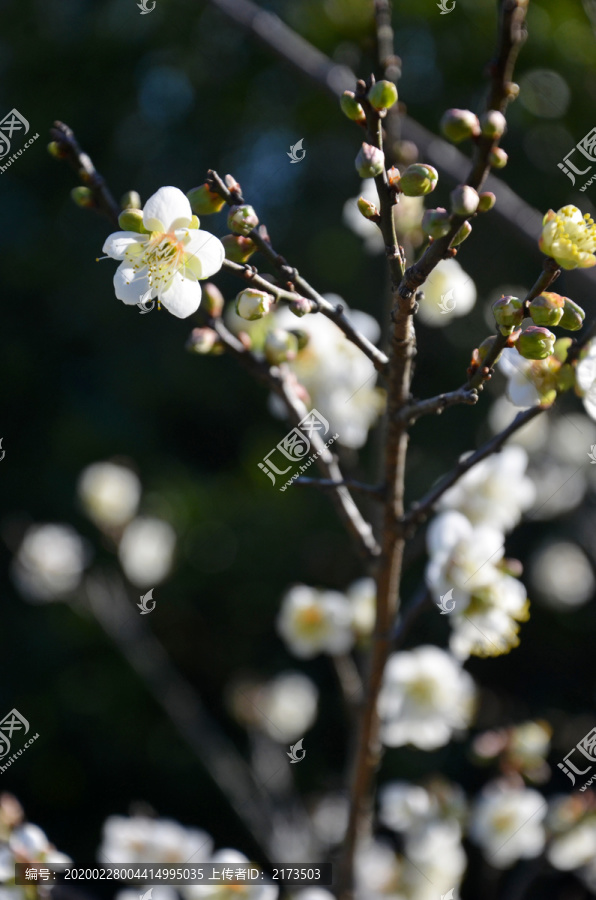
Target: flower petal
<point>167,210</point>
<point>205,254</point>
<point>130,285</point>
<point>183,296</point>
<point>118,243</point>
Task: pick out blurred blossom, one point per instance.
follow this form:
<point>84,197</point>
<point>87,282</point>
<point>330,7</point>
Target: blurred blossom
<point>562,575</point>
<point>507,823</point>
<point>110,494</point>
<point>425,697</point>
<point>330,818</point>
<point>544,93</point>
<point>287,705</point>
<point>404,806</point>
<point>50,562</point>
<point>159,892</point>
<point>435,859</point>
<point>450,288</point>
<point>407,215</point>
<point>165,95</point>
<point>312,622</point>
<point>559,488</point>
<point>586,377</point>
<point>225,891</point>
<point>575,848</point>
<point>529,380</point>
<point>377,871</point>
<point>532,436</point>
<point>146,551</point>
<point>461,555</point>
<point>569,437</point>
<point>311,893</point>
<point>362,595</point>
<point>29,844</point>
<point>139,839</point>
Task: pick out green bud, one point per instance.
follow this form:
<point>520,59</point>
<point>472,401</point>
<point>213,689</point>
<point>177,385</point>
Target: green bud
<point>498,158</point>
<point>436,222</point>
<point>382,95</point>
<point>55,150</point>
<point>459,124</point>
<point>242,219</point>
<point>213,299</point>
<point>508,312</point>
<point>486,201</point>
<point>464,200</point>
<point>252,304</point>
<point>83,196</point>
<point>547,309</point>
<point>131,200</point>
<point>561,350</point>
<point>464,232</point>
<point>535,343</point>
<point>204,341</point>
<point>418,180</point>
<point>482,351</point>
<point>565,378</point>
<point>573,316</point>
<point>493,124</point>
<point>301,306</point>
<point>203,201</point>
<point>351,108</point>
<point>132,220</point>
<point>280,346</point>
<point>370,161</point>
<point>238,249</point>
<point>368,209</point>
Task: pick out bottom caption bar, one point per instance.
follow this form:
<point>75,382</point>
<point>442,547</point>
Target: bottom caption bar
<point>206,873</point>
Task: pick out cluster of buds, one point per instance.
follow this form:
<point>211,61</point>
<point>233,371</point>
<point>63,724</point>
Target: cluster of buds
<point>548,309</point>
<point>382,95</point>
<point>520,749</point>
<point>205,342</point>
<point>461,124</point>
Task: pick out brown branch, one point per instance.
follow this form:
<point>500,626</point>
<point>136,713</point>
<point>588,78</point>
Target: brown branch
<point>377,492</point>
<point>412,411</point>
<point>89,176</point>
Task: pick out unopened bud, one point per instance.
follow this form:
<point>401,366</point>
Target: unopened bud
<point>351,108</point>
<point>55,150</point>
<point>368,209</point>
<point>464,200</point>
<point>393,176</point>
<point>382,95</point>
<point>238,249</point>
<point>213,299</point>
<point>535,343</point>
<point>512,90</point>
<point>418,180</point>
<point>132,220</point>
<point>83,196</point>
<point>508,312</point>
<point>204,201</point>
<point>370,161</point>
<point>565,378</point>
<point>131,200</point>
<point>561,350</point>
<point>459,124</point>
<point>280,346</point>
<point>242,219</point>
<point>436,222</point>
<point>486,201</point>
<point>252,304</point>
<point>498,158</point>
<point>481,352</point>
<point>493,124</point>
<point>301,306</point>
<point>547,309</point>
<point>573,316</point>
<point>204,341</point>
<point>464,232</point>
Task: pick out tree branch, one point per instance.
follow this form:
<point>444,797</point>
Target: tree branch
<point>69,148</point>
<point>414,410</point>
<point>377,492</point>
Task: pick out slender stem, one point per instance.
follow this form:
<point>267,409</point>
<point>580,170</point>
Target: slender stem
<point>418,408</point>
<point>323,484</point>
<point>88,174</point>
<point>417,605</point>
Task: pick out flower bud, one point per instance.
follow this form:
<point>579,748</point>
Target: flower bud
<point>498,158</point>
<point>547,309</point>
<point>213,300</point>
<point>55,150</point>
<point>132,220</point>
<point>486,201</point>
<point>482,351</point>
<point>512,90</point>
<point>238,249</point>
<point>368,209</point>
<point>459,124</point>
<point>436,222</point>
<point>252,304</point>
<point>464,232</point>
<point>83,196</point>
<point>204,201</point>
<point>418,180</point>
<point>464,200</point>
<point>280,346</point>
<point>302,337</point>
<point>565,378</point>
<point>393,176</point>
<point>242,219</point>
<point>351,108</point>
<point>301,306</point>
<point>573,315</point>
<point>204,341</point>
<point>382,95</point>
<point>561,350</point>
<point>535,343</point>
<point>508,312</point>
<point>493,124</point>
<point>370,161</point>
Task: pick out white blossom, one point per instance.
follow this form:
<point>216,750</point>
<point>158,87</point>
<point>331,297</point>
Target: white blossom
<point>424,698</point>
<point>435,859</point>
<point>287,705</point>
<point>487,623</point>
<point>255,891</point>
<point>576,848</point>
<point>50,562</point>
<point>377,872</point>
<point>312,622</point>
<point>110,494</point>
<point>362,595</point>
<point>404,806</point>
<point>532,436</point>
<point>562,575</point>
<point>448,292</point>
<point>146,551</point>
<point>462,556</point>
<point>30,844</point>
<point>507,824</point>
<point>139,839</point>
<point>585,374</point>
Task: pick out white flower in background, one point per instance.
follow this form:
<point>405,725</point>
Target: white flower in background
<point>311,893</point>
<point>312,622</point>
<point>158,892</point>
<point>559,487</point>
<point>226,891</point>
<point>329,818</point>
<point>576,848</point>
<point>168,260</point>
<point>362,595</point>
<point>407,215</point>
<point>434,859</point>
<point>507,824</point>
<point>139,839</point>
<point>462,556</point>
<point>29,844</point>
<point>569,436</point>
<point>487,623</point>
<point>288,706</point>
<point>496,491</point>
<point>532,436</point>
<point>447,287</point>
<point>404,806</point>
<point>339,378</point>
<point>562,575</point>
<point>530,381</point>
<point>110,494</point>
<point>585,374</point>
<point>50,562</point>
<point>425,697</point>
<point>377,872</point>
<point>146,551</point>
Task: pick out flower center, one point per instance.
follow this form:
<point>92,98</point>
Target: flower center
<point>310,619</point>
<point>162,255</point>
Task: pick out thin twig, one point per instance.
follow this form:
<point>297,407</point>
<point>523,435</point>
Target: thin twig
<point>412,411</point>
<point>417,605</point>
<point>83,166</point>
<point>376,491</point>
